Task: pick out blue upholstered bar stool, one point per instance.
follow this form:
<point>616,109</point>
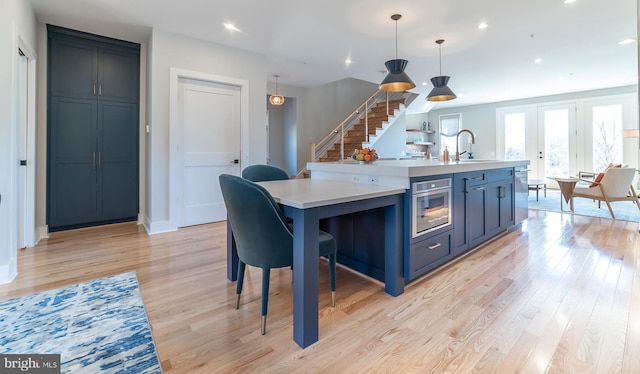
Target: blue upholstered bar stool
<point>261,173</point>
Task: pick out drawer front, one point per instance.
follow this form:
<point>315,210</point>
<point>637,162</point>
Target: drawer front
<point>477,178</point>
<point>429,254</point>
<point>499,174</point>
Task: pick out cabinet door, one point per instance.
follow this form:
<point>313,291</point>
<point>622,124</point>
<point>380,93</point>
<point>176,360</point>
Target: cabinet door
<point>118,75</point>
<point>492,214</point>
<point>72,69</point>
<point>72,162</point>
<point>476,213</point>
<point>117,161</point>
<point>507,217</point>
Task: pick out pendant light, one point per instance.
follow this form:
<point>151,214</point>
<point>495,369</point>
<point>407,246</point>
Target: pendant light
<point>397,80</point>
<point>276,99</point>
<point>440,92</point>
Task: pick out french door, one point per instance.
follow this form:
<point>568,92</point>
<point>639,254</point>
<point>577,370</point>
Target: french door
<point>556,141</point>
<point>562,139</point>
<point>545,135</point>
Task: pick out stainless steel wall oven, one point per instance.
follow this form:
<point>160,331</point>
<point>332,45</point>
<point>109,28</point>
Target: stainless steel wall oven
<point>430,206</point>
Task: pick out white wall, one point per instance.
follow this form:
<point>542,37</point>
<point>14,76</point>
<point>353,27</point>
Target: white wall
<point>277,132</point>
<point>17,21</point>
<point>294,96</point>
<point>168,51</point>
<point>393,142</point>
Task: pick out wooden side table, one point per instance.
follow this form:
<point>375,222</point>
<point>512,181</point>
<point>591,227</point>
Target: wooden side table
<point>566,188</point>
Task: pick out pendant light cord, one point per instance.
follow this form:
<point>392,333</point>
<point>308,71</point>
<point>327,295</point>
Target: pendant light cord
<point>395,18</point>
<point>439,43</point>
<point>439,53</point>
<point>396,39</point>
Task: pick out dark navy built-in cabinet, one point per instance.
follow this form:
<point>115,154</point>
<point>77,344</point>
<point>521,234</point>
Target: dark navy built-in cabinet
<point>483,206</point>
<point>93,130</point>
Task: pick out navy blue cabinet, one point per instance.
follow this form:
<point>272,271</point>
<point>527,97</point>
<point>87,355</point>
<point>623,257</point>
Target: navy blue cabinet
<point>428,253</point>
<point>93,129</point>
<point>478,214</point>
<point>483,206</point>
<point>470,204</point>
<point>500,207</point>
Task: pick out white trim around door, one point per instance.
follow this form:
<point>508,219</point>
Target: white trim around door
<point>175,76</point>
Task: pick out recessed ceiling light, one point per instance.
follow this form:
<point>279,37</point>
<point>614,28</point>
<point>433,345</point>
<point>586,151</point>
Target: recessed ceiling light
<point>231,26</point>
<point>537,60</point>
<point>424,83</point>
<point>347,61</point>
<point>569,1</point>
<point>483,25</point>
<point>626,41</point>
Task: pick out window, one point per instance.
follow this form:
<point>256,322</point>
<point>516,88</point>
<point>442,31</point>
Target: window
<point>450,124</point>
<point>607,136</point>
<point>514,136</point>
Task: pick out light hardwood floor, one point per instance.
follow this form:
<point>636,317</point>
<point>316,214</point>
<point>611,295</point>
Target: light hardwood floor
<point>559,293</point>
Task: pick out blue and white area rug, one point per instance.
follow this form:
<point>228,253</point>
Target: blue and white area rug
<point>624,210</point>
<point>98,326</point>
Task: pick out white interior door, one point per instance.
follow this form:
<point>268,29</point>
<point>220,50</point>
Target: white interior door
<point>209,146</point>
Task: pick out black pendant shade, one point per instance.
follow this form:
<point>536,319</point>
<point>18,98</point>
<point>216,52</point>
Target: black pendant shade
<point>397,80</point>
<point>440,91</point>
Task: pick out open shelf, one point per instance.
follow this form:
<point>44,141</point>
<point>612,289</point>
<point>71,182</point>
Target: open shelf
<point>422,143</point>
<point>422,131</point>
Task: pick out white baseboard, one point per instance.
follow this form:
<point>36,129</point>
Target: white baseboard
<point>42,232</point>
<point>9,272</point>
<point>157,227</point>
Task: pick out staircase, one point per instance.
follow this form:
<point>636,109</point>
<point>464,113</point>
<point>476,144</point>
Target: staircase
<point>356,136</point>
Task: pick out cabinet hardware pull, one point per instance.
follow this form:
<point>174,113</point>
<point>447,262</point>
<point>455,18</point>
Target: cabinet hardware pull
<point>432,247</point>
<point>93,163</point>
<point>480,188</point>
<point>94,90</point>
<point>99,160</point>
<point>100,90</point>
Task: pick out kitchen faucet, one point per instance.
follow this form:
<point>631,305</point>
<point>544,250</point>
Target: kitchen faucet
<point>473,141</point>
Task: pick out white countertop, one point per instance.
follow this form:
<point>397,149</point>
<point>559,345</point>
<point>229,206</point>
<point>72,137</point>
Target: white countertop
<point>414,167</point>
<point>310,193</point>
<point>397,172</point>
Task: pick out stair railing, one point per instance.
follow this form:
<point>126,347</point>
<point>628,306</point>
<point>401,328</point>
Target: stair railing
<point>319,149</point>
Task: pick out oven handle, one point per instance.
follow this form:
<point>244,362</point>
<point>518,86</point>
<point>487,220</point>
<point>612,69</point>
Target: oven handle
<point>431,191</point>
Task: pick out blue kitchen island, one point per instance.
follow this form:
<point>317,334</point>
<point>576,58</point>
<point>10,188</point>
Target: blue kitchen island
<point>449,208</point>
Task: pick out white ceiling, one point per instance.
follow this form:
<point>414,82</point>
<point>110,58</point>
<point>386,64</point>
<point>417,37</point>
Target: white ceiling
<point>307,42</point>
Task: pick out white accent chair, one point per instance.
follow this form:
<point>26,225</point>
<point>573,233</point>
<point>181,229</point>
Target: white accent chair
<point>616,185</point>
